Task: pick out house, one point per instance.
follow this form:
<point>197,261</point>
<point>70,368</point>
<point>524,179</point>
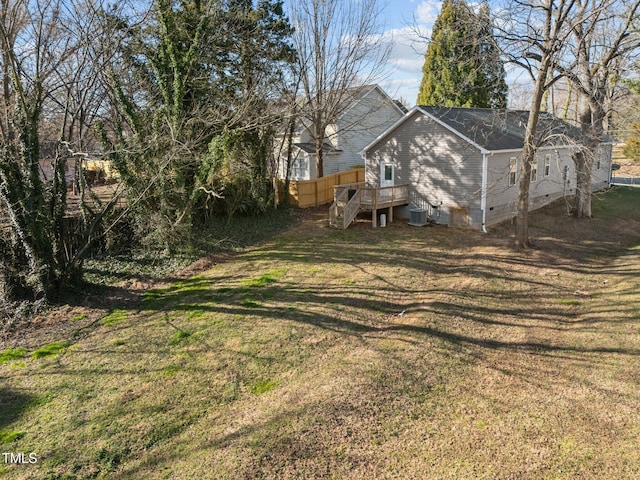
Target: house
<point>462,165</point>
<point>369,111</point>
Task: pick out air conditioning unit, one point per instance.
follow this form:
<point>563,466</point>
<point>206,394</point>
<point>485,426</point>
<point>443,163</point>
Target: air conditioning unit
<point>418,217</point>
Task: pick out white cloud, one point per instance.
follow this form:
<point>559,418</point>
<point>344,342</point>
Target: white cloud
<point>407,48</point>
<point>427,12</point>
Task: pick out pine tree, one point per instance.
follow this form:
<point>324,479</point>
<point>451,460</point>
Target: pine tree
<point>462,65</point>
<point>492,72</point>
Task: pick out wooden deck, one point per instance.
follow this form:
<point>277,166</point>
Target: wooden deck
<point>351,198</point>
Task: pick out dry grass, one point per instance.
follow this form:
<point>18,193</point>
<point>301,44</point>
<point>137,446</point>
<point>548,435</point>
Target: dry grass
<point>392,353</point>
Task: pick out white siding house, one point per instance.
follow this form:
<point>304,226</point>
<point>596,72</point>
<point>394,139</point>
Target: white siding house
<point>463,164</point>
<point>370,112</point>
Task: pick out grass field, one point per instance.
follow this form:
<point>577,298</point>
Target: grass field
<point>391,353</point>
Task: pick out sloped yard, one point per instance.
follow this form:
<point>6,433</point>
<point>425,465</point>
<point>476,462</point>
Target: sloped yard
<point>391,353</point>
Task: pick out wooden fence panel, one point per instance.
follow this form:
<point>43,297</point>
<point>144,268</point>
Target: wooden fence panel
<point>313,193</point>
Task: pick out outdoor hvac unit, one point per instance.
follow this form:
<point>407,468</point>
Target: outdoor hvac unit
<point>418,217</point>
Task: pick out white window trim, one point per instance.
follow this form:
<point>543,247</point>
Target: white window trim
<point>513,170</point>
<point>547,165</point>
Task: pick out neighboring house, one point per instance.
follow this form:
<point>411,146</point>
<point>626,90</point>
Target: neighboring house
<point>46,170</point>
<point>95,170</point>
<point>463,164</point>
<point>370,112</point>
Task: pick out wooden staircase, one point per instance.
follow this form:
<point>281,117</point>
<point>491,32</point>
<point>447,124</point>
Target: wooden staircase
<point>344,210</point>
<point>352,198</point>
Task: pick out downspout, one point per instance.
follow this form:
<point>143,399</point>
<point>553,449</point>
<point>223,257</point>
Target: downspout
<point>483,198</point>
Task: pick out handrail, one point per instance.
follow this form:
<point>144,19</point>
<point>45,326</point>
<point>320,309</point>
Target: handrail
<point>340,198</point>
<point>351,209</point>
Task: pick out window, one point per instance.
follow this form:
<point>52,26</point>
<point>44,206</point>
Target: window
<point>534,170</point>
<point>388,172</point>
<point>513,164</point>
<point>598,165</point>
<point>547,165</point>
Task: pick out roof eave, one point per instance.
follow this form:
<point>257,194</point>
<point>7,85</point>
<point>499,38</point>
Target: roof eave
<point>453,130</point>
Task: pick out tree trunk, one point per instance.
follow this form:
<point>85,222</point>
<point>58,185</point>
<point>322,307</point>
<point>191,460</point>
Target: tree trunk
<point>319,143</point>
<point>582,207</point>
<point>528,157</point>
<point>522,220</point>
<point>592,125</point>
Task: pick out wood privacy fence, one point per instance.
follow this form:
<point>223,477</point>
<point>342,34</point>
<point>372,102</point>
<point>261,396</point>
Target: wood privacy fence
<point>312,193</point>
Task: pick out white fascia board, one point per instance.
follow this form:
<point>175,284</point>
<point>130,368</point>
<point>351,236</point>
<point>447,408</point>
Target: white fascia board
<point>454,131</point>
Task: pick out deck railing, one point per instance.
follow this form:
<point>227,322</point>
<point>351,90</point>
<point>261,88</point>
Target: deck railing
<point>352,208</point>
<point>340,200</point>
<point>383,196</point>
<point>350,198</point>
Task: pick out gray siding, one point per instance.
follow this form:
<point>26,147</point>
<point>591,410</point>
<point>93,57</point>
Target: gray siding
<point>442,169</point>
<point>601,172</point>
<point>359,126</point>
<point>502,199</point>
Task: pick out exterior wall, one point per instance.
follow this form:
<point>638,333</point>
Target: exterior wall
<point>445,171</point>
<point>442,169</point>
<point>357,127</point>
<point>601,172</point>
<point>301,168</point>
<point>502,198</point>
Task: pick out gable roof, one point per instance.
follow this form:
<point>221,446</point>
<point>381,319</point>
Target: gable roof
<point>502,129</point>
<point>493,130</point>
<point>353,95</point>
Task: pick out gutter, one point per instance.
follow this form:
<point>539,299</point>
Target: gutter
<point>483,199</point>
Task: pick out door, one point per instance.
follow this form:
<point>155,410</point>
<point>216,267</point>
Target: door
<point>387,175</point>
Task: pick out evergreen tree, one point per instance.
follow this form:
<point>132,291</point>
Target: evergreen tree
<point>462,65</point>
<point>492,73</point>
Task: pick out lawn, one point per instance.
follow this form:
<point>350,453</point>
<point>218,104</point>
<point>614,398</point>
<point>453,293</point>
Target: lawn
<point>390,353</point>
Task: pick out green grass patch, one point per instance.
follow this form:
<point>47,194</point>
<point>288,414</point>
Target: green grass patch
<point>179,337</point>
<point>115,317</point>
<point>263,386</point>
<point>171,370</point>
<point>11,354</point>
<point>194,313</point>
<point>50,350</point>
<point>8,436</point>
<point>250,303</point>
<point>118,343</point>
<point>78,317</point>
<point>272,276</point>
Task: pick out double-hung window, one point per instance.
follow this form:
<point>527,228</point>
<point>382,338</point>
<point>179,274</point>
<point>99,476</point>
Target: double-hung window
<point>513,170</point>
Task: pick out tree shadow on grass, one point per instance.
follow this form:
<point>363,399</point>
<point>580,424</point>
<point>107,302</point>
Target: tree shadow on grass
<point>13,405</point>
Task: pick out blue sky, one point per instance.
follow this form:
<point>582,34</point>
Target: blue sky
<point>400,21</point>
<point>407,27</point>
<point>406,21</point>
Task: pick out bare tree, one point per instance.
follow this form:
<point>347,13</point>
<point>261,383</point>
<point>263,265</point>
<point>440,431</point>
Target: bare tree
<point>339,45</point>
<point>605,34</point>
<point>534,34</point>
<point>44,66</point>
